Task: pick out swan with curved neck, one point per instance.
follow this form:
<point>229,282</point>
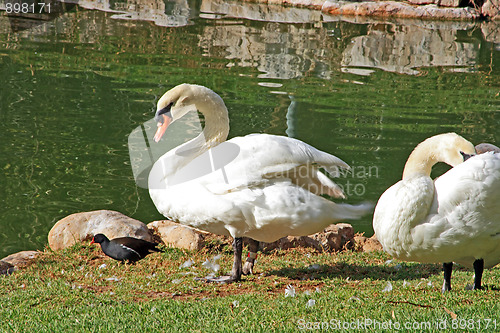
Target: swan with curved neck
<point>269,189</point>
<point>451,219</point>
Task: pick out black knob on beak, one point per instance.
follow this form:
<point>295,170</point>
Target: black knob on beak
<point>466,156</point>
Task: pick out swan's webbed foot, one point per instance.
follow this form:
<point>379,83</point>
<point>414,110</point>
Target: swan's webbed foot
<point>253,247</point>
<point>221,279</point>
<point>447,268</point>
<point>478,274</point>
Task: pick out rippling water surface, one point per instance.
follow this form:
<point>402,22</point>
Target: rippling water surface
<point>74,85</point>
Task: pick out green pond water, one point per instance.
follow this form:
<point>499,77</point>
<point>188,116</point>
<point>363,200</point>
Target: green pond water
<point>74,85</point>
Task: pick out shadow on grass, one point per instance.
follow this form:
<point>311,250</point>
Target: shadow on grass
<point>401,271</point>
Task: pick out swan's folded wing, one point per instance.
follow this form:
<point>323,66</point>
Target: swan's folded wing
<point>469,195</point>
<point>400,208</point>
<point>266,158</point>
<point>285,152</point>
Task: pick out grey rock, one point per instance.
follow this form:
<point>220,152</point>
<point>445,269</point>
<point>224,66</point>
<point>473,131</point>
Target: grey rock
<point>336,237</point>
<point>178,235</point>
<point>83,226</point>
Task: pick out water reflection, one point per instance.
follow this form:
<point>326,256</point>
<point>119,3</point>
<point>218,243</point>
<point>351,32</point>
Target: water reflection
<point>315,44</point>
<point>294,53</point>
<point>403,49</point>
<point>35,14</point>
<point>173,13</point>
<point>277,51</point>
<point>259,12</point>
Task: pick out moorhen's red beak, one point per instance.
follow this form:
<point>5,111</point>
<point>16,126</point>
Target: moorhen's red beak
<point>92,241</point>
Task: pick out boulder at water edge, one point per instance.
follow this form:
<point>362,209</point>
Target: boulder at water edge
<point>178,235</point>
<point>10,263</point>
<point>83,226</point>
<point>335,237</point>
<point>366,244</point>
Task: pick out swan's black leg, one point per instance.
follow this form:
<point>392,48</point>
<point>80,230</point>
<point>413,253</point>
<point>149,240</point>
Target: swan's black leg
<point>238,249</point>
<point>447,268</point>
<point>478,273</point>
<point>253,247</point>
<point>236,271</point>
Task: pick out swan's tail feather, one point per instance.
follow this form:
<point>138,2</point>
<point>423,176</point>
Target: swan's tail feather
<point>352,212</point>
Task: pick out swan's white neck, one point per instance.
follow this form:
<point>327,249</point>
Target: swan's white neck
<point>216,123</point>
<point>449,148</point>
<point>438,148</point>
<point>420,162</point>
<point>215,132</point>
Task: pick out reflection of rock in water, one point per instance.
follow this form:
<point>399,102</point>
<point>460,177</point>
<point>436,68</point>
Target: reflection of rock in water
<point>408,48</point>
<point>39,12</point>
<point>260,12</point>
<point>163,13</point>
<point>281,52</point>
<point>491,32</point>
<point>278,51</point>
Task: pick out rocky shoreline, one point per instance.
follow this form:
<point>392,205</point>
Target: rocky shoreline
<point>81,227</point>
<point>419,9</point>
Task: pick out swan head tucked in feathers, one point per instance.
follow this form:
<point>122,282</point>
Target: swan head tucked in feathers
<point>178,101</point>
<point>449,148</point>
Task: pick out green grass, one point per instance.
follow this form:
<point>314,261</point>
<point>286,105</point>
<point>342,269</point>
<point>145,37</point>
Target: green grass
<point>71,291</point>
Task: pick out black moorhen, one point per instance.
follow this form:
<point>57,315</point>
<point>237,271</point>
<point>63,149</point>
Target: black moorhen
<point>125,248</point>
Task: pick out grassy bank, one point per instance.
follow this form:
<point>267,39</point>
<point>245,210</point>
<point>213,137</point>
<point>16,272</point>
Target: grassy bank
<point>80,290</point>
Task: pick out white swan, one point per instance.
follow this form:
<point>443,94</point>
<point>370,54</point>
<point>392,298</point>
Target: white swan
<point>455,218</point>
<point>269,189</point>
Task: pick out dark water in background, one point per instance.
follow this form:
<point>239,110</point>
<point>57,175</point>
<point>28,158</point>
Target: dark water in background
<point>73,87</point>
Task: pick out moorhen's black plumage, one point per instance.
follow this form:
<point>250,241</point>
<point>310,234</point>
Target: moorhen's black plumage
<point>125,248</point>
